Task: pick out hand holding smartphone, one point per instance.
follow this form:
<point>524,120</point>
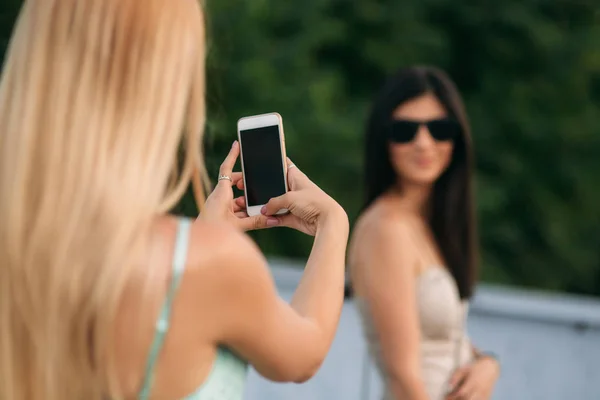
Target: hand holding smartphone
<point>263,159</point>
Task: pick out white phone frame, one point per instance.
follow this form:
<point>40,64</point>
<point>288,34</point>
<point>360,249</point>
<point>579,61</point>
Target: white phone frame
<point>260,121</point>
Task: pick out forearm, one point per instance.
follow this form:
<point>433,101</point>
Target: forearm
<point>320,294</point>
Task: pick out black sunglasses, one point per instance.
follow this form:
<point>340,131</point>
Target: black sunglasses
<point>404,131</point>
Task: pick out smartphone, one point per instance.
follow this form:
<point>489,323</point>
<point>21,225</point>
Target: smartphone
<point>263,158</point>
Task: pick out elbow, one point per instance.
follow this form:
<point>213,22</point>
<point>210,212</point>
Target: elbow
<point>297,367</point>
<point>310,358</point>
<point>309,371</point>
<point>292,374</point>
<point>298,358</point>
<point>305,369</point>
<point>304,378</point>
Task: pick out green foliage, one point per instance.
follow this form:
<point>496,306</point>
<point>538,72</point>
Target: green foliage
<point>530,75</point>
<point>8,15</point>
<point>529,71</point>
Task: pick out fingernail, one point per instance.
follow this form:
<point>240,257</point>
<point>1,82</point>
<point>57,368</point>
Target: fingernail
<point>233,144</point>
<point>272,221</point>
<point>263,210</point>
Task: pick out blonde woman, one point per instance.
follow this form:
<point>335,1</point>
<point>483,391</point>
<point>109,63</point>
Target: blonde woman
<point>103,295</point>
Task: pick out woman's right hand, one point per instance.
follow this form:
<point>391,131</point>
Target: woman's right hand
<point>288,342</point>
<point>309,206</point>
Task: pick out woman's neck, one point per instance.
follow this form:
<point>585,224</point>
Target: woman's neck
<point>415,198</point>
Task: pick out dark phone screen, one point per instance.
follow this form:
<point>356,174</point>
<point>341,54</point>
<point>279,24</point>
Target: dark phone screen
<point>263,168</point>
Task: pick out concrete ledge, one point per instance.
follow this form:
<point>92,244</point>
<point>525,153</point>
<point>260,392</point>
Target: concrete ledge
<point>492,300</point>
<point>579,311</point>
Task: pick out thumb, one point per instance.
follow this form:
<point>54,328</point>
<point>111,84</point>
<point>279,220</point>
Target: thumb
<point>257,222</point>
<point>278,203</point>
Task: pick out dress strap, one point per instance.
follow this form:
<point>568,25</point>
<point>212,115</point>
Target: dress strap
<point>162,324</point>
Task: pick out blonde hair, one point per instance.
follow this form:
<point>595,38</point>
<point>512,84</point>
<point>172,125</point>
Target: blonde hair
<point>96,97</point>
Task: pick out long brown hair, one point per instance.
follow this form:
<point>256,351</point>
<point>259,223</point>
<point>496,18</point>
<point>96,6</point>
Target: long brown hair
<point>453,215</point>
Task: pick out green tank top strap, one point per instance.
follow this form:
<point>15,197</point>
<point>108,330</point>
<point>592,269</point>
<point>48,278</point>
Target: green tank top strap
<point>162,324</point>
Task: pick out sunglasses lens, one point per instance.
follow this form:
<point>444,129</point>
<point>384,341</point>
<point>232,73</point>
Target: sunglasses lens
<point>403,131</point>
<point>443,129</point>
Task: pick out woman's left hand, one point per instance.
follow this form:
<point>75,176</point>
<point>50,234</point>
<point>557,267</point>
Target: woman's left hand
<point>221,206</point>
<point>475,381</point>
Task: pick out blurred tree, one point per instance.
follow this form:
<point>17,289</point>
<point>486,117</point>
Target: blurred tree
<point>8,14</point>
<point>529,71</point>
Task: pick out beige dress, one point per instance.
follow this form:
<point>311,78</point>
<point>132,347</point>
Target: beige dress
<point>444,344</point>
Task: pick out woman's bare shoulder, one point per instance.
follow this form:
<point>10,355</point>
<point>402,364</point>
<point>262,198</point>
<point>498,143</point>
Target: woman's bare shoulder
<point>220,260</point>
<point>220,251</point>
<point>381,219</point>
<point>217,242</point>
<point>367,220</point>
<point>229,279</point>
<point>381,233</point>
<point>210,245</point>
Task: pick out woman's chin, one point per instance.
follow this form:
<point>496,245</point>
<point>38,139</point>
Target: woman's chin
<point>422,178</point>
